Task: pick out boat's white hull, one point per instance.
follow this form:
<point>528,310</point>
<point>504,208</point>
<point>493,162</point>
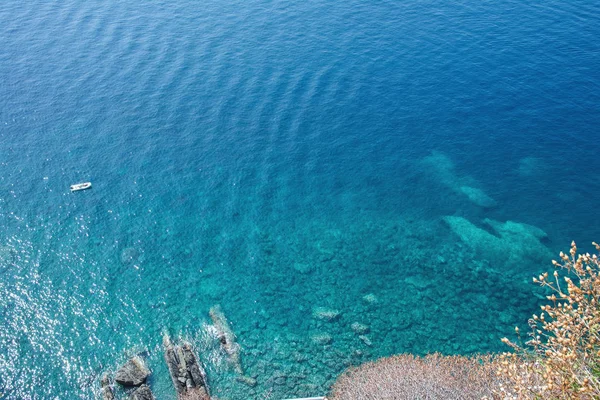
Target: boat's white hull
<point>81,186</point>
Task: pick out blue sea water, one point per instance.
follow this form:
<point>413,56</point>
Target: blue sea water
<point>280,159</point>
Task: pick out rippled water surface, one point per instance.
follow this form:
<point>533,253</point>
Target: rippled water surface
<point>348,180</point>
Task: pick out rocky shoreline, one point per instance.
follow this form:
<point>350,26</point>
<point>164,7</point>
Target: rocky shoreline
<point>184,366</point>
<point>187,374</point>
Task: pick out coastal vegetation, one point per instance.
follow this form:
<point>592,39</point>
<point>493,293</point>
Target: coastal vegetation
<point>559,360</point>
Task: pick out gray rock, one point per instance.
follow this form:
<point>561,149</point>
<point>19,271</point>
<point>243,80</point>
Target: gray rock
<point>246,380</point>
<point>321,339</point>
<point>107,393</point>
<point>173,364</point>
<point>133,373</point>
<point>359,328</point>
<point>193,367</point>
<point>326,314</point>
<point>186,372</point>
<point>142,393</point>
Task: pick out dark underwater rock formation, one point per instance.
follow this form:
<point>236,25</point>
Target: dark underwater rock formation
<point>246,380</point>
<point>226,338</point>
<point>507,243</point>
<point>187,374</point>
<point>229,345</point>
<point>133,373</point>
<point>142,393</point>
<point>106,389</point>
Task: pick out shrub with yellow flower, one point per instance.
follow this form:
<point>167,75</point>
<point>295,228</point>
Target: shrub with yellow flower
<point>561,359</point>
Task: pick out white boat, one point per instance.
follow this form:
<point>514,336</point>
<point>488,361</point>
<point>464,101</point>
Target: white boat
<point>81,186</point>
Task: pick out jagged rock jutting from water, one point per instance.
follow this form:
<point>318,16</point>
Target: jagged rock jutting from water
<point>142,393</point>
<point>107,392</point>
<point>187,374</point>
<point>133,373</point>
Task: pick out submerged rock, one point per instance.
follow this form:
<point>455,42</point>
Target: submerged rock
<point>442,169</point>
<point>228,343</point>
<point>129,256</point>
<point>516,230</point>
<point>106,389</point>
<point>418,281</point>
<point>478,197</point>
<point>359,328</point>
<point>370,298</point>
<point>366,340</point>
<point>142,393</point>
<point>532,167</point>
<point>226,337</point>
<point>247,380</point>
<point>508,243</point>
<point>7,255</point>
<point>303,268</point>
<point>321,339</point>
<point>326,314</point>
<point>133,373</point>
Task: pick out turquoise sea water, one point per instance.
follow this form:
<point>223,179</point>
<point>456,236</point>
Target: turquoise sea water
<point>408,165</point>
